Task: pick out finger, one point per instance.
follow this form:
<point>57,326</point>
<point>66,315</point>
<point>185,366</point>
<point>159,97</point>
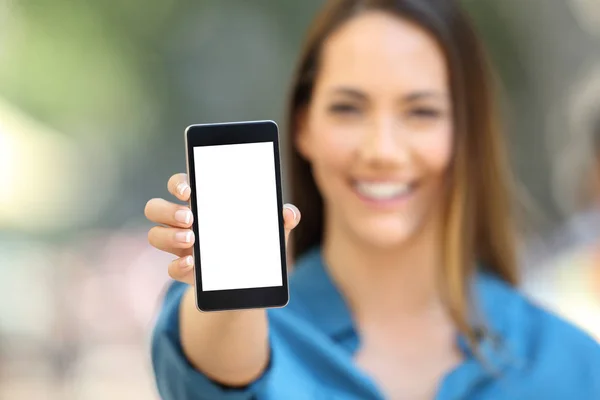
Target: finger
<point>179,187</point>
<point>291,218</point>
<point>164,212</point>
<point>182,269</point>
<point>172,240</point>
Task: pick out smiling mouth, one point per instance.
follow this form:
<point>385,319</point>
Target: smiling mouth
<point>384,191</point>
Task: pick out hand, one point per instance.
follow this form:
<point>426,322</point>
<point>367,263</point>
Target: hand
<point>174,234</point>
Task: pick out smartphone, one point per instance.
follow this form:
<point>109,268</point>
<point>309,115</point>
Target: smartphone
<point>235,175</point>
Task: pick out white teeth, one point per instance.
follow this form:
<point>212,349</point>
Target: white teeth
<point>382,190</point>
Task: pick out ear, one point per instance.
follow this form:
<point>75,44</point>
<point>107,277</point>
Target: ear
<point>302,134</point>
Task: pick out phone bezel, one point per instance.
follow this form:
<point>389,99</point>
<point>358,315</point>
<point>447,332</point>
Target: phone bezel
<point>236,133</point>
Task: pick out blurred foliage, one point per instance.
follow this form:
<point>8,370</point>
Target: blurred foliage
<point>126,78</point>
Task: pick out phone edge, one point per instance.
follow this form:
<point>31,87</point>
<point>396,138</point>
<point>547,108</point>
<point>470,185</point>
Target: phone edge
<point>187,170</point>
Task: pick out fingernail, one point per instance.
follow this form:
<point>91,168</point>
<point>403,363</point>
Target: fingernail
<point>185,237</point>
<point>187,262</point>
<point>182,187</point>
<point>183,216</point>
<point>292,210</point>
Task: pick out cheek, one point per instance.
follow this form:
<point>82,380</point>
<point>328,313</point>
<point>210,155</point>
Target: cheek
<point>333,151</point>
<point>334,147</point>
<point>435,150</point>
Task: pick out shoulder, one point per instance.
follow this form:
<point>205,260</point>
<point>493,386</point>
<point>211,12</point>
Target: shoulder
<point>522,320</point>
<point>546,344</point>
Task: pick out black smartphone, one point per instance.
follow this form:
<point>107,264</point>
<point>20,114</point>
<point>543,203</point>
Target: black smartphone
<point>235,175</point>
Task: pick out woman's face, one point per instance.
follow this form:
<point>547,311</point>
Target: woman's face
<point>378,130</point>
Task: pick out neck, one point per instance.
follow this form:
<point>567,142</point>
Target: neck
<point>376,281</point>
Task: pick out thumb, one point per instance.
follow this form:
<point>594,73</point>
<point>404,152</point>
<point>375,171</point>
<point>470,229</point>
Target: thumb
<point>291,218</point>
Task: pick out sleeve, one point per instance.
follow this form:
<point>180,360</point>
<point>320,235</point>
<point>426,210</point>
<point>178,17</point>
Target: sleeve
<point>176,378</point>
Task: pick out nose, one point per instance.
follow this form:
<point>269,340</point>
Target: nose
<point>382,145</point>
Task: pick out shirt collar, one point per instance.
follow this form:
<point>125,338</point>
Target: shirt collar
<point>321,300</point>
<point>324,305</point>
<point>495,305</point>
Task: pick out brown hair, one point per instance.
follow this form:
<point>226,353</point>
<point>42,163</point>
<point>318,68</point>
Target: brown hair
<point>478,226</point>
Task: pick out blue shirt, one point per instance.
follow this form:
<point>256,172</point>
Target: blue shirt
<point>530,353</point>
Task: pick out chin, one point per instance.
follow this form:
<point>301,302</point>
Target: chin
<point>385,235</point>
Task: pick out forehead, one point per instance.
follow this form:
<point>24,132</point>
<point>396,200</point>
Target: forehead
<point>378,50</point>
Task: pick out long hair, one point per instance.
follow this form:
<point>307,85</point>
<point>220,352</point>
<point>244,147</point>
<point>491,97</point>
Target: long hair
<point>477,218</point>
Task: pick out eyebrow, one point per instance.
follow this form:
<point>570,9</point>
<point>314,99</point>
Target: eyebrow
<point>424,94</point>
<point>411,97</point>
<point>350,92</point>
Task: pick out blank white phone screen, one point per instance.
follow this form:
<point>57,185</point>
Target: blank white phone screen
<point>237,214</point>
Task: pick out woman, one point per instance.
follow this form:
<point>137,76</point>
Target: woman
<point>405,265</point>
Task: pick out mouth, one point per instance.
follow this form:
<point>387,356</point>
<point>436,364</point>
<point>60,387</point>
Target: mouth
<point>384,193</point>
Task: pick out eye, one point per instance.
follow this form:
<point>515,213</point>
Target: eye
<point>425,113</point>
<point>344,109</point>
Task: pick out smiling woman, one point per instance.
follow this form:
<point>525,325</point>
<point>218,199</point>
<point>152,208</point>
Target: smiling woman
<point>404,279</point>
<point>390,105</point>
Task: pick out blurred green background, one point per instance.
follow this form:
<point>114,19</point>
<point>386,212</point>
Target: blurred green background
<point>94,99</point>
